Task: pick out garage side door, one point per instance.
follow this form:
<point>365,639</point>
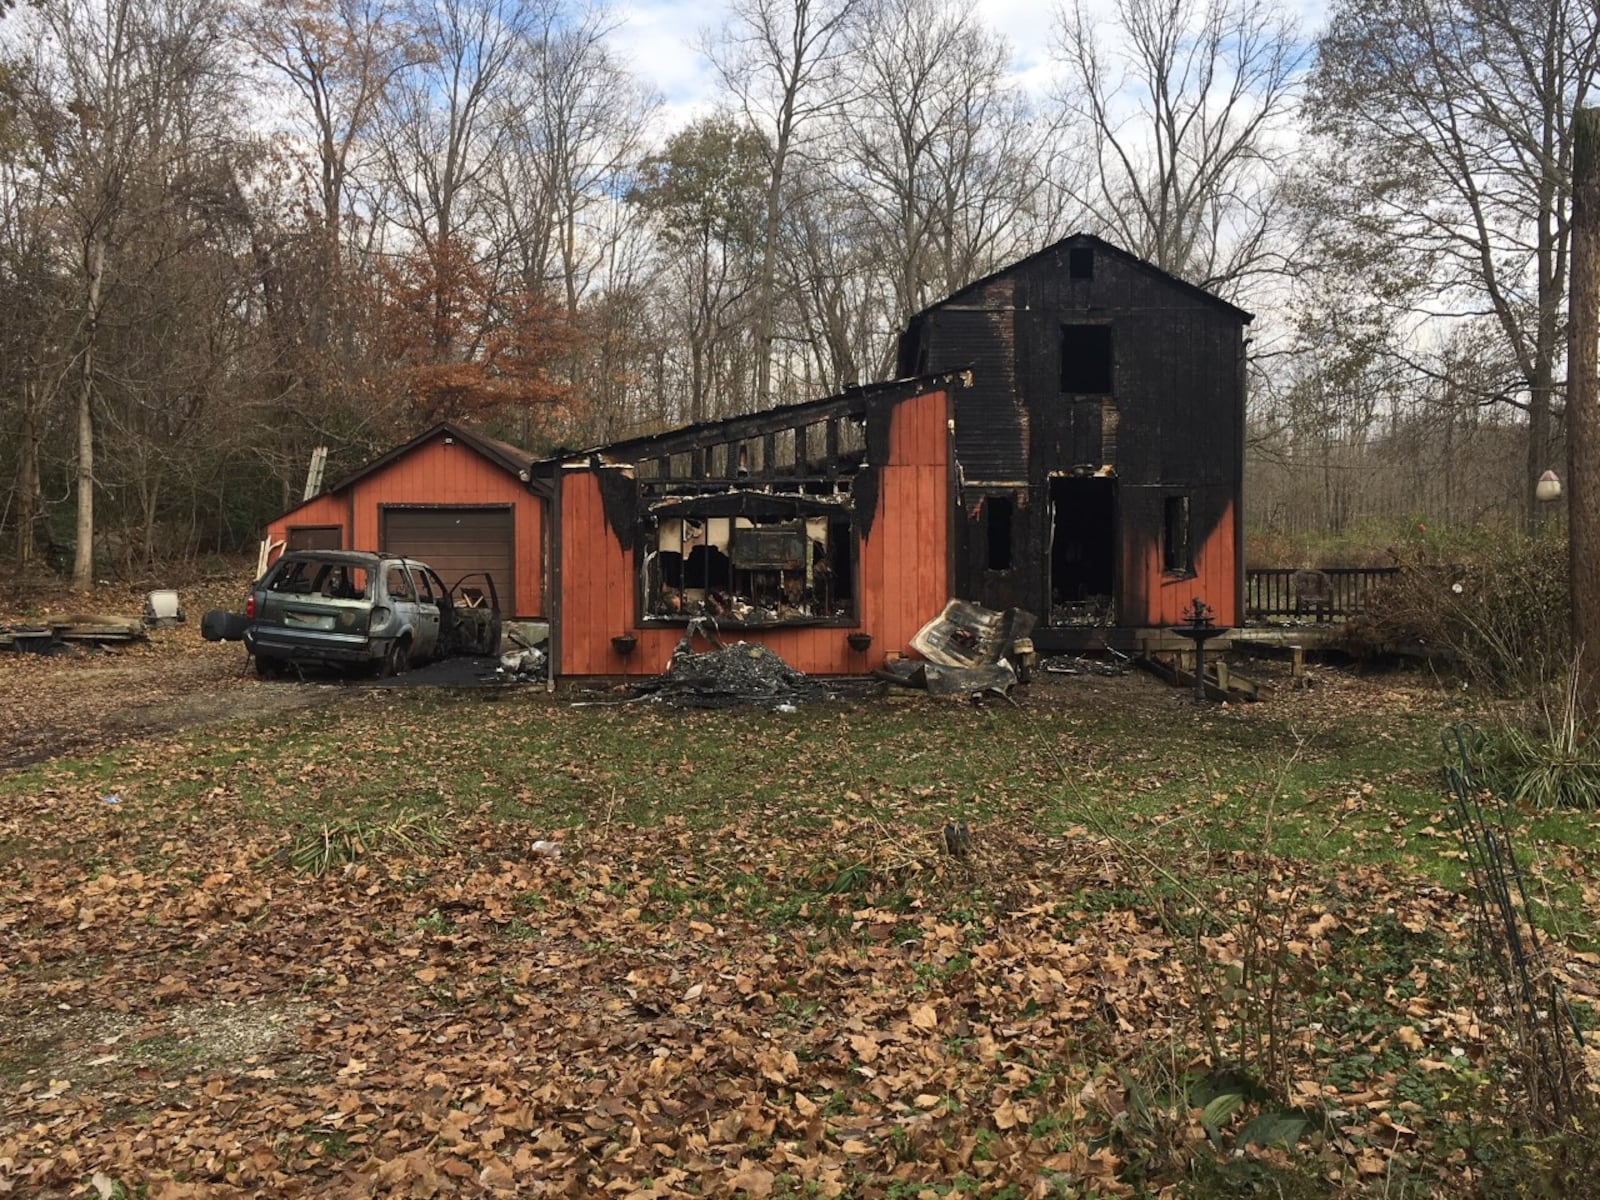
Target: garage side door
<point>457,542</point>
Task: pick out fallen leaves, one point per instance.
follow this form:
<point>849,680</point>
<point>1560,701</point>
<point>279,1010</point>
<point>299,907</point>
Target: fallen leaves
<point>742,1007</point>
<point>435,1053</point>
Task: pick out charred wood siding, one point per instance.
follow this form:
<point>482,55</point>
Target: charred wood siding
<point>991,415</point>
<point>904,564</point>
<point>1170,424</point>
<point>443,474</point>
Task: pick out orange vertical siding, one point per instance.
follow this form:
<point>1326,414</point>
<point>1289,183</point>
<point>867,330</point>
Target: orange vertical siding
<point>455,474</point>
<point>904,567</point>
<point>320,510</point>
<point>1215,579</point>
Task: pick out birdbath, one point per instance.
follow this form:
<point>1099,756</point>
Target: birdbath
<point>1200,629</point>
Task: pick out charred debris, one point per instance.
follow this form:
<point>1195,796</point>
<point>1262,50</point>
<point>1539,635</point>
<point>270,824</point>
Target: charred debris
<point>968,651</point>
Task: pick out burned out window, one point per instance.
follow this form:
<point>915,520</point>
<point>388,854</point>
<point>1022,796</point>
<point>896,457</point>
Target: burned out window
<point>769,570</point>
<point>1175,557</point>
<point>998,514</point>
<point>1086,359</point>
<point>318,577</point>
<point>398,583</point>
<point>1080,262</point>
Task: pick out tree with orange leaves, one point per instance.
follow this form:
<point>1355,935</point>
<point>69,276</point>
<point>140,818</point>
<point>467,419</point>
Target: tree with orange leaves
<point>461,347</point>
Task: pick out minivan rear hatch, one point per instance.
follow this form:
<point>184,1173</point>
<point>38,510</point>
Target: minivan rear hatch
<point>317,594</point>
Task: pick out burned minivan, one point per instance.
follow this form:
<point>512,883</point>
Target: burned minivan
<point>355,608</point>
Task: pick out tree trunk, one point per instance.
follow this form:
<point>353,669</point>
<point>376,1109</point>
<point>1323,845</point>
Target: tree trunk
<point>28,476</point>
<point>83,552</point>
<point>1583,404</point>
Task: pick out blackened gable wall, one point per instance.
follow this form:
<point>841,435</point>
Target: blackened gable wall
<point>1172,423</point>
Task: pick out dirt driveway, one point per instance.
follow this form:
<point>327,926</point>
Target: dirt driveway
<point>91,699</point>
<point>88,699</point>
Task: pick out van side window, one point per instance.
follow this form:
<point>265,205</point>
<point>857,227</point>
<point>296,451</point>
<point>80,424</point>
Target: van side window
<point>399,583</point>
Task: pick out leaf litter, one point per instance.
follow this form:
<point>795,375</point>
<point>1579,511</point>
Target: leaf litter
<point>800,997</point>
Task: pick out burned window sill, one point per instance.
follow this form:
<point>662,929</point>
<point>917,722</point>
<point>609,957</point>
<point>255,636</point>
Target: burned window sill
<point>1180,576</point>
<point>724,623</point>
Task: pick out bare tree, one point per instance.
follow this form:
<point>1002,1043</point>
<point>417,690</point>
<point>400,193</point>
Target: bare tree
<point>777,58</point>
<point>1450,125</point>
<point>568,153</point>
<point>702,193</point>
<point>937,149</point>
<point>136,96</point>
<point>338,57</point>
<point>31,365</point>
<point>446,117</point>
<point>1185,104</point>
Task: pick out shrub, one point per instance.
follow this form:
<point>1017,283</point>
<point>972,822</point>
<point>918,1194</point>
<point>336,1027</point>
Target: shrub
<point>1497,608</point>
<point>1547,758</point>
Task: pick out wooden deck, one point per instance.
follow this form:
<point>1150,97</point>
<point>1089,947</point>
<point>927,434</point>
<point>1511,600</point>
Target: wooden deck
<point>1074,640</point>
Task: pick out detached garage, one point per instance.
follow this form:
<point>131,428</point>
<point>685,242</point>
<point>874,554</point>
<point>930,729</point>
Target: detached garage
<point>455,499</point>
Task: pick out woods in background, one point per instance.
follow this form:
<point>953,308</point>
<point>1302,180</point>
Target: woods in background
<point>231,232</point>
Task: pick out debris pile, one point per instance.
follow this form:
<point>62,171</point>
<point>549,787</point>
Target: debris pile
<point>1072,664</point>
<point>969,651</point>
<point>521,665</point>
<point>743,673</point>
<point>525,662</point>
<point>56,637</point>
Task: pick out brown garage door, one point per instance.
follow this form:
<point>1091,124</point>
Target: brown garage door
<point>315,537</point>
<point>457,542</point>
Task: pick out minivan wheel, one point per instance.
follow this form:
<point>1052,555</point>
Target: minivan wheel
<point>397,658</point>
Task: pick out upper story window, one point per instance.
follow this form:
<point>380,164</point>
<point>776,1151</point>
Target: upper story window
<point>1080,262</point>
<point>1086,359</point>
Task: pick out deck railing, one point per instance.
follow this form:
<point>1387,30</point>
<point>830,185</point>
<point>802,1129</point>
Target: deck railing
<point>1338,594</point>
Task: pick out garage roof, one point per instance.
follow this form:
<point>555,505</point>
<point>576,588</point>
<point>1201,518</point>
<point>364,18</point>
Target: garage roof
<point>510,459</point>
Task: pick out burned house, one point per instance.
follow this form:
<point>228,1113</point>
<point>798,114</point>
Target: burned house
<point>819,530</point>
<point>1066,438</point>
<point>1101,446</point>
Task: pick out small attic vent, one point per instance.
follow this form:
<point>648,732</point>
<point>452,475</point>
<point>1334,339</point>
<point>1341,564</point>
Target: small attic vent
<point>1080,262</point>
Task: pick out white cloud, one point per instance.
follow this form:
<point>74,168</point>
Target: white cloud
<point>659,40</point>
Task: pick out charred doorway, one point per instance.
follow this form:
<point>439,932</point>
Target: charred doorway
<point>1083,550</point>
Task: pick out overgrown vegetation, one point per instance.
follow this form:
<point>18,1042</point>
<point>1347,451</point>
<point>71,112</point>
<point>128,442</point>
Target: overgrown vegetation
<point>1493,604</point>
<point>1493,611</point>
<point>1546,756</point>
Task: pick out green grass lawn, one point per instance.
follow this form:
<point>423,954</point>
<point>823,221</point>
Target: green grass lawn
<point>1339,788</point>
<point>1155,892</point>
